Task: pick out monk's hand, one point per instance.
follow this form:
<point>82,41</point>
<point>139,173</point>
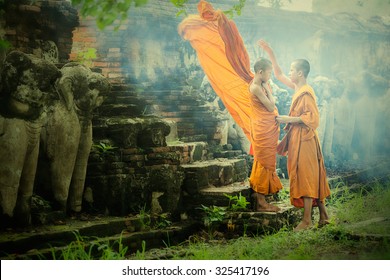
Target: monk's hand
<point>264,45</point>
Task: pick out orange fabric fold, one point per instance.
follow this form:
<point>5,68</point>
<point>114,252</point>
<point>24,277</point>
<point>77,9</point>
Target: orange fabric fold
<point>206,33</point>
<point>305,162</point>
<point>265,134</point>
<point>234,45</point>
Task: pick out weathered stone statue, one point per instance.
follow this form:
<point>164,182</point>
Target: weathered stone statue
<point>27,84</point>
<point>326,90</point>
<point>67,135</point>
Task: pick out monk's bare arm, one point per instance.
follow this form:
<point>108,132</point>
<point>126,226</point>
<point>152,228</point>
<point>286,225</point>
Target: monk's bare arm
<point>268,102</point>
<point>288,119</point>
<point>277,70</point>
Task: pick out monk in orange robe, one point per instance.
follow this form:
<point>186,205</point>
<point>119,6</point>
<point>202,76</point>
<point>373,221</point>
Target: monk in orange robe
<point>265,135</point>
<point>223,57</point>
<point>305,164</point>
<point>225,61</point>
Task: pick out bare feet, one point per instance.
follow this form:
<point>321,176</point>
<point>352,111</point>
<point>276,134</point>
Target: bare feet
<point>261,205</point>
<point>303,226</point>
<point>267,208</point>
<point>322,223</point>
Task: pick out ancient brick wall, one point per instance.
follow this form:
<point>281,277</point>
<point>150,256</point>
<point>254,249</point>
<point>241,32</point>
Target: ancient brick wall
<point>31,27</point>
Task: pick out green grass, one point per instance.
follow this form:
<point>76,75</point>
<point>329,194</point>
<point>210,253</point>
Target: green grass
<point>325,243</point>
<point>359,229</point>
<point>340,240</point>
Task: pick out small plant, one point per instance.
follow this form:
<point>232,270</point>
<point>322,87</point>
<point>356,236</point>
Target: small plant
<point>188,90</point>
<point>283,194</point>
<point>76,250</point>
<point>84,249</point>
<point>237,202</point>
<point>103,148</point>
<point>140,255</point>
<point>86,57</point>
<point>180,5</point>
<point>108,253</point>
<point>4,45</point>
<point>163,221</point>
<point>144,218</point>
<point>213,215</point>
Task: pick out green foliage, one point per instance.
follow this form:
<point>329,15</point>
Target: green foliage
<point>362,204</point>
<point>4,45</point>
<point>109,12</point>
<point>283,194</point>
<point>103,148</point>
<point>213,216</point>
<point>76,250</point>
<point>180,5</point>
<point>276,4</point>
<point>237,202</point>
<point>162,221</point>
<point>86,57</point>
<point>109,253</point>
<point>235,9</point>
<point>140,255</point>
<point>144,217</point>
<point>84,249</point>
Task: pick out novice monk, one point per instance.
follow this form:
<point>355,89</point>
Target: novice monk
<point>264,137</point>
<point>308,183</point>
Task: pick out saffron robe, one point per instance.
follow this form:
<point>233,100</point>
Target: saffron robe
<point>305,163</point>
<point>265,134</point>
<point>223,57</point>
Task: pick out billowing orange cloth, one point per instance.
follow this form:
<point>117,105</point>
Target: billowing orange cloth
<point>265,134</point>
<point>305,163</point>
<point>224,59</point>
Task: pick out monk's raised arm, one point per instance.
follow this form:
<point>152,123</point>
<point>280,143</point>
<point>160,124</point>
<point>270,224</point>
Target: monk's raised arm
<point>277,70</point>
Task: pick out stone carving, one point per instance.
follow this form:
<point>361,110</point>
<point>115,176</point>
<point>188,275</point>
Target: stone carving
<point>67,135</point>
<point>27,85</point>
<point>326,95</point>
<point>46,50</point>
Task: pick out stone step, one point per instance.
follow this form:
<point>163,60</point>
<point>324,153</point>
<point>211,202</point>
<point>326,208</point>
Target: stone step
<point>191,151</point>
<point>120,110</point>
<point>215,172</point>
<point>228,154</point>
<point>379,171</point>
<point>125,87</point>
<point>145,131</point>
<point>126,99</point>
<point>45,240</point>
<point>217,195</point>
<point>256,223</point>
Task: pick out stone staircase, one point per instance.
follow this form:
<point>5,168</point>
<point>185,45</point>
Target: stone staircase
<point>154,164</point>
<point>46,241</point>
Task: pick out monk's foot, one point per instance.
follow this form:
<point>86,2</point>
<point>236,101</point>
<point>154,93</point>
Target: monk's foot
<point>268,208</point>
<point>302,226</point>
<point>322,223</point>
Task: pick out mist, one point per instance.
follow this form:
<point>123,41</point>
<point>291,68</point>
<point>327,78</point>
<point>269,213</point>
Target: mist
<point>349,56</point>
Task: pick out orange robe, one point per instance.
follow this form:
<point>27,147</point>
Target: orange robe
<point>265,134</point>
<point>305,163</point>
<point>224,59</point>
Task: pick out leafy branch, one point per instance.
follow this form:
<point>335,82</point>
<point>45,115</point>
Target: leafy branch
<point>106,12</point>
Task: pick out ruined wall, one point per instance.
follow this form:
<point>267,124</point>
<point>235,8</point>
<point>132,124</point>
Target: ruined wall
<point>147,51</point>
<point>42,28</point>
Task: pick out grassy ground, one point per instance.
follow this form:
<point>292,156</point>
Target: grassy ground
<point>359,229</point>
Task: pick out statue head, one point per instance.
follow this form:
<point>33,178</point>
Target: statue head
<point>98,88</point>
<point>28,83</point>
